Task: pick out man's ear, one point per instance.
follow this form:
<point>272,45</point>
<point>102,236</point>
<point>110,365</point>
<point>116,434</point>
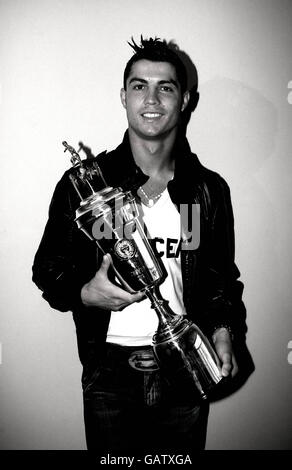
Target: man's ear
<point>123,97</point>
<point>185,100</point>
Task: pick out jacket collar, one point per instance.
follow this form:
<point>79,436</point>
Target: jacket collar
<point>120,170</point>
<point>119,167</point>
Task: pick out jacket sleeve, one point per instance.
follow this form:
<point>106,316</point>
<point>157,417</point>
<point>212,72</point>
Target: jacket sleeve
<point>224,306</point>
<point>59,269</point>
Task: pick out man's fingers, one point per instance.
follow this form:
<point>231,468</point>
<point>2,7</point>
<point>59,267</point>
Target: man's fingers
<point>118,297</point>
<point>138,296</point>
<point>226,364</point>
<point>125,299</point>
<point>228,361</point>
<point>131,298</point>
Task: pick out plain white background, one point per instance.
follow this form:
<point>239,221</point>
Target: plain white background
<point>61,72</point>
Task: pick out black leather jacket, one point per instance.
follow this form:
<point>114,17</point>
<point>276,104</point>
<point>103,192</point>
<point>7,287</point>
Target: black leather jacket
<point>66,259</point>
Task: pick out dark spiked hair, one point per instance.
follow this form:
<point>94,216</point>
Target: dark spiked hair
<point>157,50</point>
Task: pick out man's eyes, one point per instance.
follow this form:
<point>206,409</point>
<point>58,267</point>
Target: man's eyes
<point>166,88</point>
<point>163,88</point>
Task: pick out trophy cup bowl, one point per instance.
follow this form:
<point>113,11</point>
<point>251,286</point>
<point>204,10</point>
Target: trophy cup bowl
<point>111,218</point>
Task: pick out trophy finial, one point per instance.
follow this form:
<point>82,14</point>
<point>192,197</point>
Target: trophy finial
<point>87,177</point>
<point>75,157</point>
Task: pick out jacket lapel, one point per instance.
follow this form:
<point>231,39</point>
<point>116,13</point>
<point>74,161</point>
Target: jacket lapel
<point>120,170</point>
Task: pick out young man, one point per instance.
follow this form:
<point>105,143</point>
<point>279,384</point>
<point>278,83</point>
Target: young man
<point>127,409</point>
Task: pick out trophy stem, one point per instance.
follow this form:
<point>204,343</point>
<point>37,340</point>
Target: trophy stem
<point>168,320</point>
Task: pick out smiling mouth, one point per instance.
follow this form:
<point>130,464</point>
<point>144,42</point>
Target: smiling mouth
<point>151,115</point>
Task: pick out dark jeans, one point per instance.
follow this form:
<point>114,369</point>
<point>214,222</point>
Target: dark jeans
<point>119,418</point>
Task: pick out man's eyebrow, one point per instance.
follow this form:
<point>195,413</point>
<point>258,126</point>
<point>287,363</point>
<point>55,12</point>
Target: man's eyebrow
<point>137,79</point>
<point>172,81</point>
<point>161,82</point>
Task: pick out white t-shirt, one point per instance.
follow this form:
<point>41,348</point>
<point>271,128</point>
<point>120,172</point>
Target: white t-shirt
<point>137,323</point>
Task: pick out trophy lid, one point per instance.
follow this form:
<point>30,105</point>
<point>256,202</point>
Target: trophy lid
<point>100,202</point>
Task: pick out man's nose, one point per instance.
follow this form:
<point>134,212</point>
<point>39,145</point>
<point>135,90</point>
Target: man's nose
<point>152,96</point>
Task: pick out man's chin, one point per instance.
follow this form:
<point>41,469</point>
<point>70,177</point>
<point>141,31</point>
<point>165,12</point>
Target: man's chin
<point>152,134</point>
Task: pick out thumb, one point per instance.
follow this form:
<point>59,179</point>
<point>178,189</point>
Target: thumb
<point>106,262</point>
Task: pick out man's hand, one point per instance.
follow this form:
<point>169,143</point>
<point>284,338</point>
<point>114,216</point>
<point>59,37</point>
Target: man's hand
<point>223,346</point>
<point>100,292</point>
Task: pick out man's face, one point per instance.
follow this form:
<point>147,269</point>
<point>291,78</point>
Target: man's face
<point>153,99</point>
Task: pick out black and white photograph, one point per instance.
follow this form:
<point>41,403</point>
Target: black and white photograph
<point>146,208</point>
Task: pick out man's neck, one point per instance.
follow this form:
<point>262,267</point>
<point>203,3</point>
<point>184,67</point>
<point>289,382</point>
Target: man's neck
<point>154,157</point>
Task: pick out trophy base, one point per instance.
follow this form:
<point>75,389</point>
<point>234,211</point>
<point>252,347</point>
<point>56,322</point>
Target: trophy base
<point>186,357</point>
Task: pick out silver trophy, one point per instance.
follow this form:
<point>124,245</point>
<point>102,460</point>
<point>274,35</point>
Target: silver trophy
<point>111,218</point>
